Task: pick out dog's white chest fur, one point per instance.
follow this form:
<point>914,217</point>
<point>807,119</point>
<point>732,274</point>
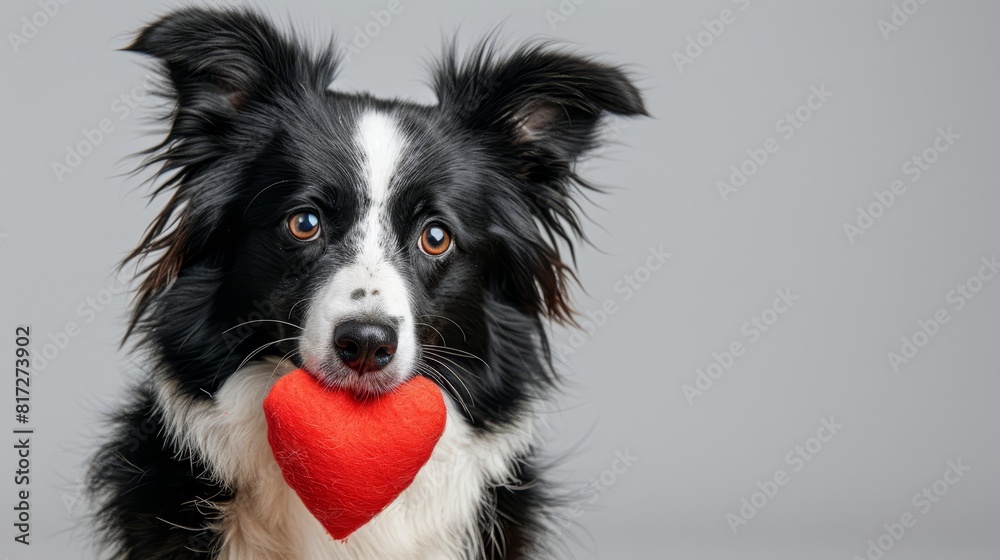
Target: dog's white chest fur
<point>435,518</point>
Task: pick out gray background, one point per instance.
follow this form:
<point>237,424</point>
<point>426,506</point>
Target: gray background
<point>826,356</point>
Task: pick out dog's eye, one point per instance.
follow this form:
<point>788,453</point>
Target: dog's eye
<point>304,225</point>
<point>435,240</point>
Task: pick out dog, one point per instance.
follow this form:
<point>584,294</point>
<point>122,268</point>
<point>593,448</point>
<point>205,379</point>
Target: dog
<point>366,241</point>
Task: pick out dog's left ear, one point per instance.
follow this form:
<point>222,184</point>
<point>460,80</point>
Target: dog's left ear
<point>545,103</point>
<point>541,109</point>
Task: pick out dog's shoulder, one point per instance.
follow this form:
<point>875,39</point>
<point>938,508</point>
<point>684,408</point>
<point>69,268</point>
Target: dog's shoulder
<point>150,502</point>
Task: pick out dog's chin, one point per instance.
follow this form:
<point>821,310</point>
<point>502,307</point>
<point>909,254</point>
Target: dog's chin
<point>366,385</point>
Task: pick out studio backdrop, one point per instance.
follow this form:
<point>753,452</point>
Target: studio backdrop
<point>789,301</point>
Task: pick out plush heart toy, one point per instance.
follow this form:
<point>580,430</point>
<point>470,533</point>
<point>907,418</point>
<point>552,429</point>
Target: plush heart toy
<point>348,458</point>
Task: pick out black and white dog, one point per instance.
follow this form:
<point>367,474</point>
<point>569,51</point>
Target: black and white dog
<point>366,241</point>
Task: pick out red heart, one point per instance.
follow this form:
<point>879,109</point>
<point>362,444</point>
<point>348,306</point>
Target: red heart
<point>346,458</point>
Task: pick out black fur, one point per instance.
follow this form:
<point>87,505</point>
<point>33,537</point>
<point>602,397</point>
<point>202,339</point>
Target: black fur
<point>255,134</point>
<point>149,495</point>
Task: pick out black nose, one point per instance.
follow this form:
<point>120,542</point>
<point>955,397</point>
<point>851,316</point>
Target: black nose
<point>365,347</point>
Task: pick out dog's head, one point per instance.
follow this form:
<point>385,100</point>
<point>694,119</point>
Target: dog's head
<point>366,240</point>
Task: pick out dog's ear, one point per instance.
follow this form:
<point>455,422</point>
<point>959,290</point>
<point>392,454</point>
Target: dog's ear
<point>544,102</point>
<point>217,65</point>
<point>541,108</point>
<point>221,59</point>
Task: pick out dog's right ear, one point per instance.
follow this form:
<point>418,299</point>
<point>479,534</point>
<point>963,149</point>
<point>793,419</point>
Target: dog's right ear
<point>218,61</point>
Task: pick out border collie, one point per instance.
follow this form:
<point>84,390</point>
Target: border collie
<point>363,240</point>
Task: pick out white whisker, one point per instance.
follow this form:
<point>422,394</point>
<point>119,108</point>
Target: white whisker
<point>430,326</point>
<point>281,361</point>
<point>455,352</point>
<point>460,329</point>
<point>457,376</point>
<point>259,349</point>
<point>262,321</point>
<point>433,374</point>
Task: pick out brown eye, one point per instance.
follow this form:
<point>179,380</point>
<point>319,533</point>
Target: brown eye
<point>435,240</point>
<point>304,225</point>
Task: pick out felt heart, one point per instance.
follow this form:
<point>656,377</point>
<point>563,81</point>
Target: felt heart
<point>349,458</point>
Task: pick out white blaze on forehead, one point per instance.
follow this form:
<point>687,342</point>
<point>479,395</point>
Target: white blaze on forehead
<point>381,143</point>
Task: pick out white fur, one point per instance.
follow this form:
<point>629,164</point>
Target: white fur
<point>434,519</point>
<point>379,144</point>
